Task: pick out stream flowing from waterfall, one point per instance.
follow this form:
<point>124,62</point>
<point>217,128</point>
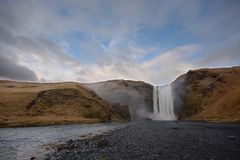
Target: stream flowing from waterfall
<point>163,108</point>
<point>22,143</point>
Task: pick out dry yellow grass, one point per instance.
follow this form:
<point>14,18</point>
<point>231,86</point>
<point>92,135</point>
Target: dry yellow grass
<point>213,95</point>
<point>31,104</point>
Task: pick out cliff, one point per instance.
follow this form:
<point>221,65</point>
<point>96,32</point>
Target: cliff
<point>30,104</point>
<point>135,97</point>
<point>203,94</point>
<point>208,94</point>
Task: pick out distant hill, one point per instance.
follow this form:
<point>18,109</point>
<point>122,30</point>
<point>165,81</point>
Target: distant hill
<point>209,94</point>
<point>30,104</point>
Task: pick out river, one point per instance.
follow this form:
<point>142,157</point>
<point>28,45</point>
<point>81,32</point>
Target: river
<point>26,142</point>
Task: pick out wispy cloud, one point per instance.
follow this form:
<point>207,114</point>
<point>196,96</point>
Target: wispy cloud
<point>97,40</point>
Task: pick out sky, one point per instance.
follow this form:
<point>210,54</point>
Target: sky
<point>96,40</point>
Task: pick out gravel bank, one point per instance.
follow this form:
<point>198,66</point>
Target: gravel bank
<point>158,140</point>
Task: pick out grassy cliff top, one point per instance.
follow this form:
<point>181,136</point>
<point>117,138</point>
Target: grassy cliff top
<point>213,95</point>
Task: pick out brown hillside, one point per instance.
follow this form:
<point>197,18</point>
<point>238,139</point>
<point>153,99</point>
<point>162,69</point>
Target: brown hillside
<point>131,99</point>
<point>26,104</point>
<point>212,95</point>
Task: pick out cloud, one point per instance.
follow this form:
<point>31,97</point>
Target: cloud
<point>161,69</point>
<point>167,65</point>
<point>11,70</point>
<point>99,40</point>
<point>224,53</point>
<point>213,20</point>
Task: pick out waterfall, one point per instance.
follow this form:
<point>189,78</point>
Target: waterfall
<point>163,108</point>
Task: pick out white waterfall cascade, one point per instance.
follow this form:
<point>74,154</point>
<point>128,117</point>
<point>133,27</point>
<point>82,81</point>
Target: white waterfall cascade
<point>163,108</point>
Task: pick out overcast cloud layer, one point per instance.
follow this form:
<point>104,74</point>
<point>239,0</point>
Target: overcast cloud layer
<point>94,40</point>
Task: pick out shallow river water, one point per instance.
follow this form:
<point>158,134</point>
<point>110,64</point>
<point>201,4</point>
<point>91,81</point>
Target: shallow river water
<point>27,142</point>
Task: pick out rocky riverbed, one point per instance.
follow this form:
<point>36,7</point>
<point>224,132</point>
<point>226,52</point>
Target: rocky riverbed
<point>26,143</point>
<point>157,140</point>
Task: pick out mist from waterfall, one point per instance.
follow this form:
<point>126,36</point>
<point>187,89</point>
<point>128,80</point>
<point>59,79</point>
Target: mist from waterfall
<point>163,108</point>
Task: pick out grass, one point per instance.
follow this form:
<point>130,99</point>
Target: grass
<point>214,97</point>
<point>48,104</point>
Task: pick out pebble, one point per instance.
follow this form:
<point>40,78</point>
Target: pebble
<point>231,137</point>
<point>156,140</point>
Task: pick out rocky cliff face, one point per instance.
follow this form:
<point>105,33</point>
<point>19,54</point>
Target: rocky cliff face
<point>179,92</point>
<point>134,97</point>
<point>208,94</point>
<point>24,104</point>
